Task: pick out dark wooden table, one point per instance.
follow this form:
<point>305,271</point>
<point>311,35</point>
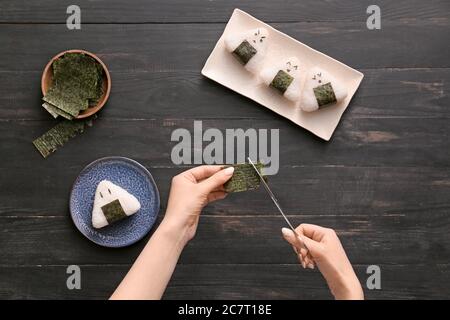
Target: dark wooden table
<point>383,181</point>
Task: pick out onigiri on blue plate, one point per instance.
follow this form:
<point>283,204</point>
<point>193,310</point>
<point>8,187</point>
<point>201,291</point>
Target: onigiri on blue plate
<point>132,177</point>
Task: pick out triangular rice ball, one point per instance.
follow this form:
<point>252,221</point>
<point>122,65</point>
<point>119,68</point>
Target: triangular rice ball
<point>285,77</point>
<point>321,90</point>
<point>249,48</point>
<point>112,203</point>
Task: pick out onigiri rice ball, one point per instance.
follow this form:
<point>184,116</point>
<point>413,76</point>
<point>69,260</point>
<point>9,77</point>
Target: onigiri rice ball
<point>249,48</point>
<point>285,77</point>
<point>321,90</point>
<point>112,203</point>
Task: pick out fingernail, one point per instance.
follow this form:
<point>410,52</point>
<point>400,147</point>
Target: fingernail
<point>311,266</point>
<point>286,232</point>
<point>229,171</point>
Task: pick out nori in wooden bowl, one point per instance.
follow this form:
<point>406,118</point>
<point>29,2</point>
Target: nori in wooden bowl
<point>66,66</point>
<point>75,85</point>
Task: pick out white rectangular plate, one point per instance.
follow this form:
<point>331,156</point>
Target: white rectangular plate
<point>223,68</point>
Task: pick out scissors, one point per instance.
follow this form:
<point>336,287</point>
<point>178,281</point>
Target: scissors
<point>275,201</point>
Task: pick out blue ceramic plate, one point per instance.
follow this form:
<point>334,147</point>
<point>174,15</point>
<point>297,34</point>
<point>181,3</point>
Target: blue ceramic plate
<point>127,174</point>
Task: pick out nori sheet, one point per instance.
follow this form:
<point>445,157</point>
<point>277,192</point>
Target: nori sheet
<point>56,112</point>
<point>113,211</point>
<point>244,52</point>
<point>324,94</point>
<point>68,101</point>
<point>60,134</point>
<point>244,178</point>
<point>50,109</point>
<point>78,72</point>
<point>282,81</point>
<point>77,83</point>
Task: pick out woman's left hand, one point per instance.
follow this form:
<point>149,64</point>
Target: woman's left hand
<point>190,191</point>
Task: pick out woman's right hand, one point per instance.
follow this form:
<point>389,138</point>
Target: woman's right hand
<point>327,252</point>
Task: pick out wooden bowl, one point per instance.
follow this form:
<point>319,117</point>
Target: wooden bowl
<point>47,82</point>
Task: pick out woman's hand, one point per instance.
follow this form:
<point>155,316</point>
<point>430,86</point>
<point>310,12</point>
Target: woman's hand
<point>327,252</point>
<point>191,190</point>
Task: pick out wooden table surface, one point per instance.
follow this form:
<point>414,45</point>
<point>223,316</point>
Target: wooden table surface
<point>383,181</point>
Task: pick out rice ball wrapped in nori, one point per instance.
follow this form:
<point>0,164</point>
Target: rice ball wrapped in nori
<point>249,48</point>
<point>112,203</point>
<point>285,77</point>
<point>320,90</point>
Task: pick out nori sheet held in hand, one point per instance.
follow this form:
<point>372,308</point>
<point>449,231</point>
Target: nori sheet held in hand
<point>282,81</point>
<point>244,178</point>
<point>113,211</point>
<point>244,52</point>
<point>324,94</point>
<point>60,134</point>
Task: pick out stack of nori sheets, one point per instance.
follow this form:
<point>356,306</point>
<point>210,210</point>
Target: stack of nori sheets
<point>77,84</point>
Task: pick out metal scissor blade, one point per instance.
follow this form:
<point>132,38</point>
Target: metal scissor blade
<point>272,196</point>
<point>274,199</point>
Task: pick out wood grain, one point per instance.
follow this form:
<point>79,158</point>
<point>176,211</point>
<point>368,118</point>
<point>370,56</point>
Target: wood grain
<point>383,181</point>
<point>409,237</point>
<point>162,47</point>
<point>241,281</point>
<point>163,11</point>
<point>363,142</point>
<point>186,94</point>
<point>324,190</point>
